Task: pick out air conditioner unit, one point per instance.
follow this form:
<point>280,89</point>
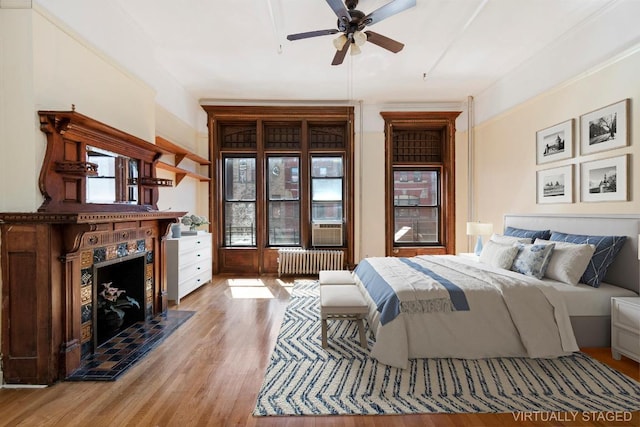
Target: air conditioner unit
<point>326,233</point>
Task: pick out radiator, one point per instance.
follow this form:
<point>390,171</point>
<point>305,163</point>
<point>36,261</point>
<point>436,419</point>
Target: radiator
<point>308,261</point>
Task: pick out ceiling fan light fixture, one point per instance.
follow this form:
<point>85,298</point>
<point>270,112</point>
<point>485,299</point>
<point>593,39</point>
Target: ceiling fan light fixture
<point>359,38</point>
<point>355,49</point>
<point>340,41</point>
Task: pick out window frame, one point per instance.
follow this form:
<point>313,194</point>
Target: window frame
<point>438,205</point>
<point>268,199</point>
<point>248,130</point>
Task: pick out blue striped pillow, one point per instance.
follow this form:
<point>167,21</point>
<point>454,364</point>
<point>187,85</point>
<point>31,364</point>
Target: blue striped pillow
<point>607,247</point>
<point>532,234</point>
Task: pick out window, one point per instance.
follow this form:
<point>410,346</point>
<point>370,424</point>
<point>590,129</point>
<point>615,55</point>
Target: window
<point>416,207</point>
<point>327,185</point>
<point>283,201</point>
<point>240,201</point>
<point>276,173</point>
<point>420,177</point>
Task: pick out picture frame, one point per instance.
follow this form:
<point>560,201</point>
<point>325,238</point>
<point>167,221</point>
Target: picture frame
<point>604,180</point>
<point>605,128</point>
<point>555,143</point>
<point>555,185</point>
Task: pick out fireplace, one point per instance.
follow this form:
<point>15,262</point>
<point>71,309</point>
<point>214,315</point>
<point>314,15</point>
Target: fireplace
<point>51,267</point>
<point>126,277</point>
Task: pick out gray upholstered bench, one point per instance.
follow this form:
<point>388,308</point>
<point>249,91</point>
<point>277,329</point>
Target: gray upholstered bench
<point>342,302</point>
<point>336,277</point>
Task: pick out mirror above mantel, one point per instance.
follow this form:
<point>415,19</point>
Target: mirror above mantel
<point>91,167</point>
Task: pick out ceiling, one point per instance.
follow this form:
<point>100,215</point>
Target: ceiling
<point>237,50</point>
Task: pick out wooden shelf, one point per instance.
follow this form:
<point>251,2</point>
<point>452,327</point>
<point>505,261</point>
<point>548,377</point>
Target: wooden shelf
<point>180,153</point>
<point>181,173</point>
<point>170,148</point>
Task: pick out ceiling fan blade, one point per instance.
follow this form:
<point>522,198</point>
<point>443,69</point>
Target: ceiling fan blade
<point>387,10</point>
<point>340,10</point>
<point>384,42</point>
<point>340,54</point>
<point>309,34</point>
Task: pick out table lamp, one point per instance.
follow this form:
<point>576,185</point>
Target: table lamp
<point>479,229</point>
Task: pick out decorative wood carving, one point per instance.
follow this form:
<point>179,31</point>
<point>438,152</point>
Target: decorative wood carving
<point>68,135</point>
<point>77,168</point>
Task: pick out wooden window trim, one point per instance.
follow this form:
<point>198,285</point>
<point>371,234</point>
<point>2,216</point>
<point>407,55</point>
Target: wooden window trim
<point>435,120</point>
<point>263,259</point>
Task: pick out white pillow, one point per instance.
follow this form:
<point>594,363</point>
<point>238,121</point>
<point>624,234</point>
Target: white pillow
<point>498,255</point>
<point>509,240</point>
<point>568,261</point>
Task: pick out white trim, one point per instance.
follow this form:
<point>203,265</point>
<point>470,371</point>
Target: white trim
<point>16,4</point>
<point>14,386</point>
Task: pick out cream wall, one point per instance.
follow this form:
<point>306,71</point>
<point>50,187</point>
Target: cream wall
<point>19,166</point>
<point>504,179</point>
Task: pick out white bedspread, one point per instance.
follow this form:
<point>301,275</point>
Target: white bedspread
<point>509,315</point>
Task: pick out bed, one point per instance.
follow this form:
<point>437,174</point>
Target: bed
<point>453,306</point>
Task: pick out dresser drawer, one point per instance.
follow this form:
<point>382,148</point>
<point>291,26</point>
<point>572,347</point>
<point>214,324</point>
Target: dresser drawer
<point>193,243</point>
<point>194,283</point>
<point>625,327</point>
<point>625,342</point>
<point>625,315</point>
<point>189,270</point>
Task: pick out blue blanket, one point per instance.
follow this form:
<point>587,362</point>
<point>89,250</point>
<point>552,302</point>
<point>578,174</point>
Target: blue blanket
<point>385,298</point>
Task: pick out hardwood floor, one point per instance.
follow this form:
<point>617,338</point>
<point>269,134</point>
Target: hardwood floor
<point>209,372</point>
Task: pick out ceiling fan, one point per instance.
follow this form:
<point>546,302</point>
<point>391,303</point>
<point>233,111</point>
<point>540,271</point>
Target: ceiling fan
<point>351,23</point>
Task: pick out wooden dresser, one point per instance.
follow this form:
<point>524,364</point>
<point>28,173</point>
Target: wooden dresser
<point>189,264</point>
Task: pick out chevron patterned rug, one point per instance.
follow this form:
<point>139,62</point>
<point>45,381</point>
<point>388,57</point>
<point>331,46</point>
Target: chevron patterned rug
<point>304,379</point>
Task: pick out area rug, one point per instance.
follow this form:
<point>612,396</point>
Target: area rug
<point>302,378</point>
<point>121,352</point>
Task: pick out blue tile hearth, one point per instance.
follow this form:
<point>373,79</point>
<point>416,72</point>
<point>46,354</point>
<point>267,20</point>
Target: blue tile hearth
<point>121,352</point>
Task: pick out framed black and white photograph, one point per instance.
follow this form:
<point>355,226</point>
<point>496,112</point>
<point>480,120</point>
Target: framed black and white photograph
<point>555,143</point>
<point>604,129</point>
<point>555,185</point>
<point>604,180</point>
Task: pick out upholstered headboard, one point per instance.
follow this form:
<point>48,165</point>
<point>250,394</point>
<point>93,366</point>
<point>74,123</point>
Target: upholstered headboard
<point>625,270</point>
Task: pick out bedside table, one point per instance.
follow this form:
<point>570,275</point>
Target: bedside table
<point>625,327</point>
<point>469,255</point>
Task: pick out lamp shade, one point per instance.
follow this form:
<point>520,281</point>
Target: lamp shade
<point>359,38</point>
<point>339,41</point>
<point>479,229</point>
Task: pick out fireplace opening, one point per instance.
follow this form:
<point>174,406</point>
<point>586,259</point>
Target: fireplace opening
<point>118,296</point>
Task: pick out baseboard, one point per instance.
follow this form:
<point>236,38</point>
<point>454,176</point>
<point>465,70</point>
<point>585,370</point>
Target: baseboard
<point>23,385</point>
